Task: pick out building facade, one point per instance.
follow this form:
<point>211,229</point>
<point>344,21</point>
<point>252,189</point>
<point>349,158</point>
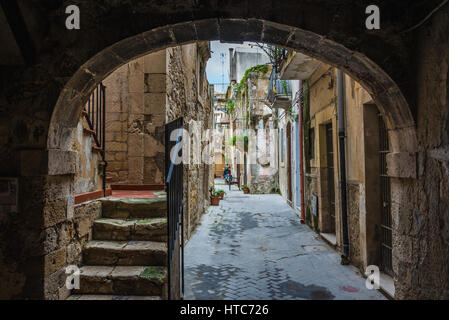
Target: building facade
<point>249,140</point>
<point>339,114</point>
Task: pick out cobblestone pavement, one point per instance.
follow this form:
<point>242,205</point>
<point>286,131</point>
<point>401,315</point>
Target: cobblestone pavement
<point>253,247</point>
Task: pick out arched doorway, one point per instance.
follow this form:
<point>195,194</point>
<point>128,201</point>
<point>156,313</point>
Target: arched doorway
<point>391,102</point>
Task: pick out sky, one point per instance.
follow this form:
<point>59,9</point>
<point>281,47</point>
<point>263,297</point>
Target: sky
<point>217,69</point>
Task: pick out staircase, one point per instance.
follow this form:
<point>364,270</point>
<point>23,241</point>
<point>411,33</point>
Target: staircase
<point>127,258</point>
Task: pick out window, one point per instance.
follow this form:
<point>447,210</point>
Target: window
<point>311,143</point>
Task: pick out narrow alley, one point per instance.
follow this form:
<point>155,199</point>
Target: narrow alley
<point>122,121</point>
<point>253,247</point>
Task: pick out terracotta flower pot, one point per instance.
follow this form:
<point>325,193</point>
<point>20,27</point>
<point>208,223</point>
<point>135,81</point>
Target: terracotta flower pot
<point>245,191</point>
<point>221,196</point>
<point>214,201</point>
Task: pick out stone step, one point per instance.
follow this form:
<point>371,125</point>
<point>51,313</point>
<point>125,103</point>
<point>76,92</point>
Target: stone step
<point>124,281</point>
<point>82,297</point>
<point>118,208</point>
<point>125,230</point>
<point>133,253</point>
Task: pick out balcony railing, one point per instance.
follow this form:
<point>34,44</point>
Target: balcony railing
<point>279,92</point>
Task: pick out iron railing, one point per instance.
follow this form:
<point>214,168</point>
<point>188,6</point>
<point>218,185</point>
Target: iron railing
<point>95,114</point>
<point>175,223</point>
<point>278,88</point>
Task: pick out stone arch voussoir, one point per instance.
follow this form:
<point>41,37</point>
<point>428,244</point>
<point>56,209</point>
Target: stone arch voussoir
<point>381,87</point>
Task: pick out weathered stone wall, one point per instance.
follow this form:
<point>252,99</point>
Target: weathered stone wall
<point>264,175</point>
<point>311,188</point>
<point>421,221</point>
<point>65,241</point>
<point>67,229</point>
<point>142,96</point>
<point>135,95</point>
<point>354,212</point>
<point>187,97</point>
<point>252,116</point>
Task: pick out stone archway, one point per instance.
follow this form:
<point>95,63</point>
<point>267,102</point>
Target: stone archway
<point>386,94</point>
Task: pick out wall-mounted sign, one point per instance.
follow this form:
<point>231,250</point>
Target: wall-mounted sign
<point>314,205</point>
<point>9,194</point>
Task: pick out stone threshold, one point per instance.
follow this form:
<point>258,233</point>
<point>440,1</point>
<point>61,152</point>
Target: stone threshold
<point>138,187</point>
<point>89,196</point>
<point>387,285</point>
<point>386,282</point>
<point>330,238</point>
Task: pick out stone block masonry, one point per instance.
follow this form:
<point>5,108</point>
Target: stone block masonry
<point>135,119</point>
<point>188,97</point>
<point>142,96</point>
<point>64,241</point>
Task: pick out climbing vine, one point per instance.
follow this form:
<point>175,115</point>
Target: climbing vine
<point>240,87</point>
<point>285,86</point>
<point>230,106</point>
<point>293,115</point>
<point>232,141</point>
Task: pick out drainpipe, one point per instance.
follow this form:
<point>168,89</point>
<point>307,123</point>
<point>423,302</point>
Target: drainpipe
<point>341,137</point>
<point>301,158</point>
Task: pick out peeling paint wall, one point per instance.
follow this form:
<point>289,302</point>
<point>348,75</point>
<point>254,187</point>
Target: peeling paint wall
<point>253,119</point>
<point>88,176</point>
<point>322,111</point>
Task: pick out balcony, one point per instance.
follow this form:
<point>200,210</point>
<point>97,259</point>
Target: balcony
<point>222,118</point>
<point>297,66</point>
<point>279,92</point>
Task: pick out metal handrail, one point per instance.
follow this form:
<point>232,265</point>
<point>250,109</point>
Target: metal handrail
<point>95,114</point>
<point>175,221</point>
<point>172,165</point>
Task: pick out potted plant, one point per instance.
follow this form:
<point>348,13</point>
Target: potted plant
<point>221,193</point>
<point>214,197</point>
<point>245,189</point>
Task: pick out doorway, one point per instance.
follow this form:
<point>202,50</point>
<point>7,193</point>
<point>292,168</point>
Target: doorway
<point>297,167</point>
<point>289,163</point>
<point>330,178</point>
<point>386,243</point>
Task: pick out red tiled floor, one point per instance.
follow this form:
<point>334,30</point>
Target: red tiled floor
<point>133,194</point>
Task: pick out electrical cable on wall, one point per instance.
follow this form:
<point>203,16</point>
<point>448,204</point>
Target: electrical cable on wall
<point>426,18</point>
